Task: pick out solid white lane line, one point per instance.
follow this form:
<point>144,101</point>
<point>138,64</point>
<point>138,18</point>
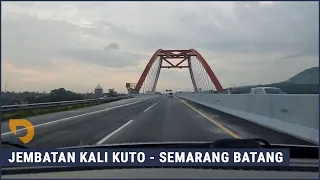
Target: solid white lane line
<point>114,132</point>
<point>72,117</point>
<point>152,106</point>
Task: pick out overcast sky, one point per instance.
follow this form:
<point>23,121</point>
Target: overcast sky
<point>77,45</point>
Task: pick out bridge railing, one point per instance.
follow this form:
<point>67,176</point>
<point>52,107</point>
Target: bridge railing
<point>12,108</point>
<point>293,114</point>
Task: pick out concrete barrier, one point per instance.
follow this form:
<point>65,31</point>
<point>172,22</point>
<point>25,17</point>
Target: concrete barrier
<point>297,115</point>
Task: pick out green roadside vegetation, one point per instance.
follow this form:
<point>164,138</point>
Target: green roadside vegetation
<point>32,112</point>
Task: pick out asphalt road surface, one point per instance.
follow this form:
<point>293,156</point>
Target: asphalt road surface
<point>153,119</point>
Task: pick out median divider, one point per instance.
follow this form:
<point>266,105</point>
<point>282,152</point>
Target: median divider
<point>23,110</point>
<point>296,115</point>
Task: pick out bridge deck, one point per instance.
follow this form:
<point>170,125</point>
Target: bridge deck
<point>156,119</point>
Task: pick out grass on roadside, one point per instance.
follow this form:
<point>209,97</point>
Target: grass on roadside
<point>32,112</point>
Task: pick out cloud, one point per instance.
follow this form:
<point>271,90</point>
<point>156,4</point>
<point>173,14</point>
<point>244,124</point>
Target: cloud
<point>112,46</point>
<point>242,41</point>
<point>29,75</point>
<point>72,75</point>
<point>104,57</point>
<point>38,41</point>
<point>281,27</point>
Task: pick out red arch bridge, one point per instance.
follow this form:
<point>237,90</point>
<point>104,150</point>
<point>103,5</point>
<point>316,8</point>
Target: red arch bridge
<point>201,75</point>
<point>185,117</point>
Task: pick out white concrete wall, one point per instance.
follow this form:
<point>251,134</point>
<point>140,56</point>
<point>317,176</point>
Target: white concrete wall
<point>297,115</point>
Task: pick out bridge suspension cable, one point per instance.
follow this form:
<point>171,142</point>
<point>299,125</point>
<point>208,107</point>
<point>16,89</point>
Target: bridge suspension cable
<point>152,77</point>
<point>202,78</point>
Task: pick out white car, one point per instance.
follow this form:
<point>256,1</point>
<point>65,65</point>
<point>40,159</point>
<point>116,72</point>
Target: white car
<point>266,90</point>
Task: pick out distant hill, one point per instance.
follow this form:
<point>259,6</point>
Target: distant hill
<point>305,82</point>
<point>308,76</point>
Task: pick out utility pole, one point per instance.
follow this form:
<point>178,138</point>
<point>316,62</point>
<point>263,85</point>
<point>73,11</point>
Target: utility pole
<point>5,88</point>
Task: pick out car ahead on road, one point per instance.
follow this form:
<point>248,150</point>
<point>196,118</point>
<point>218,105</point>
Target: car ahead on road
<point>170,94</point>
<point>103,97</point>
<point>266,90</point>
<point>303,164</point>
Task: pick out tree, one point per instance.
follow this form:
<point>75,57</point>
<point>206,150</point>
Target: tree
<point>63,95</point>
<point>112,93</point>
<point>60,94</point>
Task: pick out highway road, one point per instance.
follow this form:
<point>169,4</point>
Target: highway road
<point>144,119</point>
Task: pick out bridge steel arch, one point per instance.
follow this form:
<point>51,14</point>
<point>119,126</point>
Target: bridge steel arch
<point>183,55</point>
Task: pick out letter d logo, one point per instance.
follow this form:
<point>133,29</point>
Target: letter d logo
<point>14,123</point>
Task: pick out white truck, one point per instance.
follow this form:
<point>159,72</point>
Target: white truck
<point>266,90</point>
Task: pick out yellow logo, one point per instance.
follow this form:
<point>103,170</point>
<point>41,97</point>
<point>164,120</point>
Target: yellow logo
<point>14,123</point>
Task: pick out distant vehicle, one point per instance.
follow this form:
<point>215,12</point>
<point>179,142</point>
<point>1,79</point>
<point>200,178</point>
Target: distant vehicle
<point>170,95</point>
<point>103,97</point>
<point>266,90</point>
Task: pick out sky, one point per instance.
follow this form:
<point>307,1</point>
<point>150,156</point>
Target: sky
<point>78,45</point>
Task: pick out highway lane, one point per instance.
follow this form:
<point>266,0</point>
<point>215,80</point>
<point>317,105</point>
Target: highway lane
<point>169,120</point>
<point>45,118</point>
<point>173,119</point>
<point>83,130</point>
<point>157,119</point>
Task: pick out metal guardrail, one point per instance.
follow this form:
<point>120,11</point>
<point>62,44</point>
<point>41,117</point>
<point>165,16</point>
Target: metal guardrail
<point>11,108</point>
